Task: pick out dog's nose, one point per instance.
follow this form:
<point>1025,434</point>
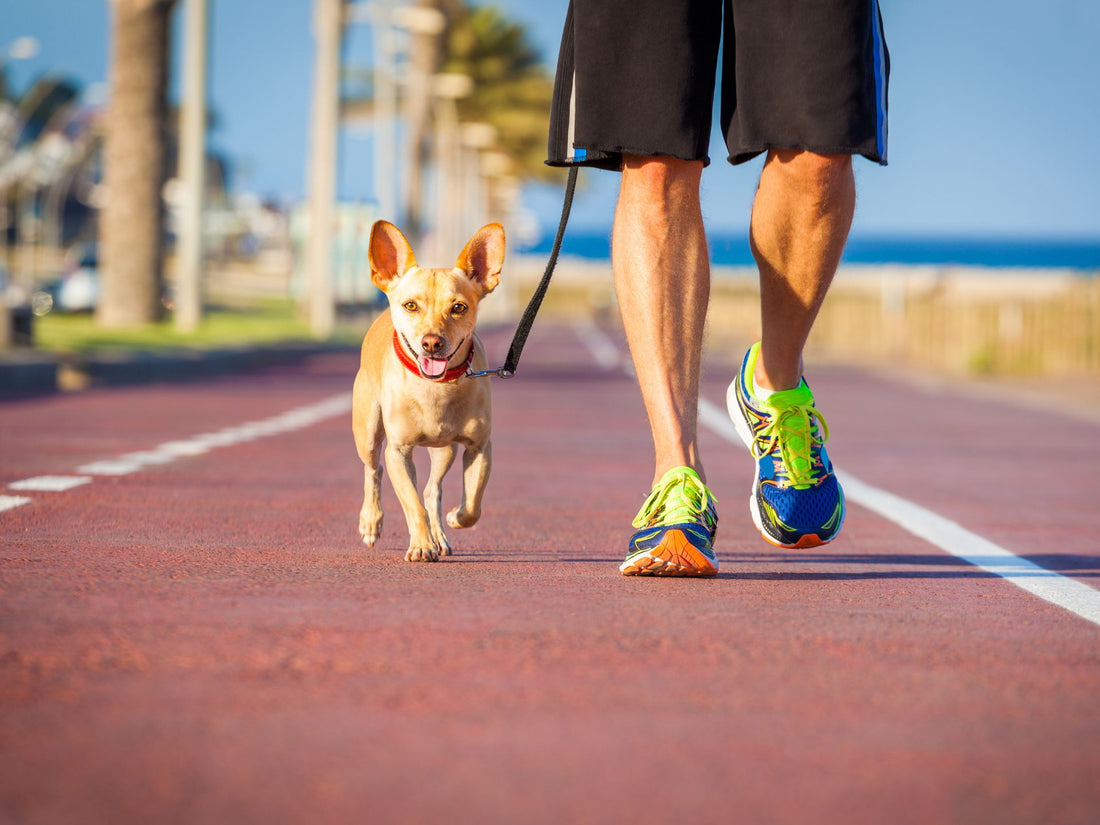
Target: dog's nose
<point>432,344</point>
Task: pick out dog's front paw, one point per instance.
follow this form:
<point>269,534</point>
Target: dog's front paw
<point>370,528</point>
<point>442,543</point>
<point>460,517</point>
<point>422,554</point>
<point>369,536</point>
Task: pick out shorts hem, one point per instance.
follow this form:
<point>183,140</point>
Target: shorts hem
<point>612,159</point>
<point>743,154</point>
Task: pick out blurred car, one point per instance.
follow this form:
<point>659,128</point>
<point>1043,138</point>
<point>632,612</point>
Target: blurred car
<point>77,290</point>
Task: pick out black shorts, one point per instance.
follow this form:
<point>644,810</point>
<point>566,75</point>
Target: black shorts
<point>638,77</point>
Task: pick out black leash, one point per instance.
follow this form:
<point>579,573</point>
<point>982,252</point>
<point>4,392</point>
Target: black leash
<point>528,319</point>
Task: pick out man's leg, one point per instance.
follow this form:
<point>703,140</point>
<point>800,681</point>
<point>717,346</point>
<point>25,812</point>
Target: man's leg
<point>800,221</point>
<point>662,279</point>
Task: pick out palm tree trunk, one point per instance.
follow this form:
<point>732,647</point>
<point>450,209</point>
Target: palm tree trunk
<point>132,220</point>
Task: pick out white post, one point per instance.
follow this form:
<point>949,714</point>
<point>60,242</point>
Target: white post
<point>448,88</point>
<point>328,28</point>
<point>192,169</point>
<point>385,111</point>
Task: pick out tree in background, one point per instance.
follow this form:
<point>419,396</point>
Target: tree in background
<point>132,220</point>
<point>511,88</point>
<point>511,91</point>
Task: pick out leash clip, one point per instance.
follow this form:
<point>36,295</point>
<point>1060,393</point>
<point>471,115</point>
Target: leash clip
<point>500,372</point>
<point>528,318</point>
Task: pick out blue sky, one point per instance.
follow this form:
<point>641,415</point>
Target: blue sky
<point>994,120</point>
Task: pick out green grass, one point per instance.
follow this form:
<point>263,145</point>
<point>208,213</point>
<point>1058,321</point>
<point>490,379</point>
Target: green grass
<point>270,323</point>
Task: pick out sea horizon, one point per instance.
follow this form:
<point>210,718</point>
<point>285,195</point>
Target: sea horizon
<point>730,249</point>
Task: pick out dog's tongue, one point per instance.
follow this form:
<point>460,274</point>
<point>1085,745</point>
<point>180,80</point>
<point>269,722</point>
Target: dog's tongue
<point>432,367</point>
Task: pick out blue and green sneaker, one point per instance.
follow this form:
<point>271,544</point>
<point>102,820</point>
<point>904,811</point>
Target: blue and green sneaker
<point>676,528</point>
<point>796,499</point>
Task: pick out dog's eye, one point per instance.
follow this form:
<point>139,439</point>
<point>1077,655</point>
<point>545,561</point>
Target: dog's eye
<point>459,308</point>
<point>410,306</point>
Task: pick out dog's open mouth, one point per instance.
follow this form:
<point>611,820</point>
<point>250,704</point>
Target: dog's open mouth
<point>432,367</point>
<point>429,367</point>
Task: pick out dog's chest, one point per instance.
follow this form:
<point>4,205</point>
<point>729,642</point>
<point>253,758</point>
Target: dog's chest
<point>435,421</point>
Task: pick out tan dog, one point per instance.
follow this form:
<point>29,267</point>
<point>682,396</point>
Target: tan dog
<point>411,389</point>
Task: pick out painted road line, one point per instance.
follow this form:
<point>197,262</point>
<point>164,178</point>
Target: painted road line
<point>1071,594</point>
<point>951,537</point>
<point>181,449</point>
<point>236,434</point>
<point>144,458</point>
<point>170,451</point>
<point>603,349</point>
<point>49,484</point>
<point>109,467</point>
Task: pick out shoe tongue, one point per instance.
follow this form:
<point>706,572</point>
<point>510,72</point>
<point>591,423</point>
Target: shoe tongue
<point>782,399</point>
<point>678,474</point>
<point>432,367</point>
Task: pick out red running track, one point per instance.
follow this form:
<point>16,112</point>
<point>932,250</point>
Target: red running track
<point>205,640</point>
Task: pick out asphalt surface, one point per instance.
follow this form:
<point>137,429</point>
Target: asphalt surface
<point>193,632</point>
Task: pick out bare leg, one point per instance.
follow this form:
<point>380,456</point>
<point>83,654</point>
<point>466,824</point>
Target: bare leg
<point>662,279</point>
<point>800,221</point>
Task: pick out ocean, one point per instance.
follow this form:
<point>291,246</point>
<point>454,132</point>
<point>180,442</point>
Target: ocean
<point>733,250</point>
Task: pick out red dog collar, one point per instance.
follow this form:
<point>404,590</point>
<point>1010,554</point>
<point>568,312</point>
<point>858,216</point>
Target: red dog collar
<point>410,364</point>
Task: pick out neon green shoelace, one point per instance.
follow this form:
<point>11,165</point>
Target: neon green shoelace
<point>793,430</point>
<point>678,498</point>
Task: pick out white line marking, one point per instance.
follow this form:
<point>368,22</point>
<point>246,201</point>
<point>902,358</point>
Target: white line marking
<point>951,537</point>
<point>1071,594</point>
<point>169,451</point>
<point>11,502</point>
<point>109,467</point>
<point>49,484</point>
<point>181,449</point>
<point>603,349</point>
<point>146,457</point>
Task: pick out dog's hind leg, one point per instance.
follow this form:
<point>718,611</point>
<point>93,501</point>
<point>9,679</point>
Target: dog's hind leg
<point>442,459</point>
<point>476,464</point>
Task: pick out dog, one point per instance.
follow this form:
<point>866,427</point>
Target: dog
<point>412,389</point>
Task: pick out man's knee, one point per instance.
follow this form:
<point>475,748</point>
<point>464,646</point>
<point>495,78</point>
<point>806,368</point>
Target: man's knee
<point>658,174</point>
<point>813,172</point>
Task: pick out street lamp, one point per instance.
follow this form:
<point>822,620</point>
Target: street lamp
<point>390,24</point>
<point>477,139</point>
<point>448,89</point>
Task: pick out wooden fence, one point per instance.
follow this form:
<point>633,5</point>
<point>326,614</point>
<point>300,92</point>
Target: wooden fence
<point>961,321</point>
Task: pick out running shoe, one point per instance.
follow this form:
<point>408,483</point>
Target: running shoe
<point>796,499</point>
<point>676,528</point>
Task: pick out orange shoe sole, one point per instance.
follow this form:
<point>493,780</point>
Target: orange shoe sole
<point>674,556</point>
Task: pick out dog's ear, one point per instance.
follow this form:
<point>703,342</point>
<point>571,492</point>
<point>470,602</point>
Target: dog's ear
<point>483,257</point>
<point>389,254</point>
